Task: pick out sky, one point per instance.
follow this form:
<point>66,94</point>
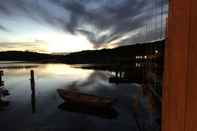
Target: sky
<point>74,25</point>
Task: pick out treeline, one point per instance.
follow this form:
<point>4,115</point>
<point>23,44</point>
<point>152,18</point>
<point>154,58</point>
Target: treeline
<point>123,54</point>
<point>27,56</point>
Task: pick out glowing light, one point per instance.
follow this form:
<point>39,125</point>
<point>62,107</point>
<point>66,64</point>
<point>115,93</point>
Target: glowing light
<point>68,43</point>
<point>156,51</point>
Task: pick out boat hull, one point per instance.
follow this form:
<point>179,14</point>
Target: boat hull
<point>81,99</point>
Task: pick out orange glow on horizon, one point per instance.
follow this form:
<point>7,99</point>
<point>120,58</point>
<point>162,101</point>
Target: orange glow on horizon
<point>68,43</point>
<point>51,42</point>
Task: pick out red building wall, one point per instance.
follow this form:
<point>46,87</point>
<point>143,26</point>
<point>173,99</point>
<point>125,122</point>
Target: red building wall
<point>180,83</point>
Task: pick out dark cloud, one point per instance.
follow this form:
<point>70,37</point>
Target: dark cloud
<point>4,9</point>
<point>101,21</point>
<point>117,18</point>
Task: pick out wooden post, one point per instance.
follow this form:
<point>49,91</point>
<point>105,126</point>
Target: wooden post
<point>33,94</point>
<point>1,80</point>
<point>32,80</point>
<point>116,74</point>
<point>180,92</point>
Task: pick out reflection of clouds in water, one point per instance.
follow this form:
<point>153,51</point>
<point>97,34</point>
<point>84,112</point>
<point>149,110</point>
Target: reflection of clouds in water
<point>50,77</point>
<point>95,81</point>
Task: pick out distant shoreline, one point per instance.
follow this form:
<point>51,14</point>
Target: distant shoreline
<point>153,52</point>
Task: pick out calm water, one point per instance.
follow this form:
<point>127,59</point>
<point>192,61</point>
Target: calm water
<point>43,111</point>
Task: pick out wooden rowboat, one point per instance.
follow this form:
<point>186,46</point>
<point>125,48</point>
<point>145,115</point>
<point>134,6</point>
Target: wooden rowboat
<point>82,99</point>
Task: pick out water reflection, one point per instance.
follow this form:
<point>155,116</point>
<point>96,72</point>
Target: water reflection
<point>107,113</point>
<point>4,104</point>
<point>63,69</point>
<point>95,81</point>
<point>136,74</point>
<point>3,93</point>
<point>33,101</point>
<point>45,100</point>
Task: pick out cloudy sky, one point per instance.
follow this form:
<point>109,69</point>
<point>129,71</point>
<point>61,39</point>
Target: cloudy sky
<point>74,25</point>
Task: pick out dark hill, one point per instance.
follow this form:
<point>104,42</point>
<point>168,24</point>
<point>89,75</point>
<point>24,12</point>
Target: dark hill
<point>121,54</point>
<point>26,56</point>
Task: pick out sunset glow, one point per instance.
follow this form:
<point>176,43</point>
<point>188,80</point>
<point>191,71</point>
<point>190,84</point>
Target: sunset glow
<point>49,26</point>
<point>68,43</point>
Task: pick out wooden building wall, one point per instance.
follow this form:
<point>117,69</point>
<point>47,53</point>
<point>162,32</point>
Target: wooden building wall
<point>180,80</point>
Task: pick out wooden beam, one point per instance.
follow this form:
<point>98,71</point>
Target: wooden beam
<point>180,94</point>
<point>191,100</point>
